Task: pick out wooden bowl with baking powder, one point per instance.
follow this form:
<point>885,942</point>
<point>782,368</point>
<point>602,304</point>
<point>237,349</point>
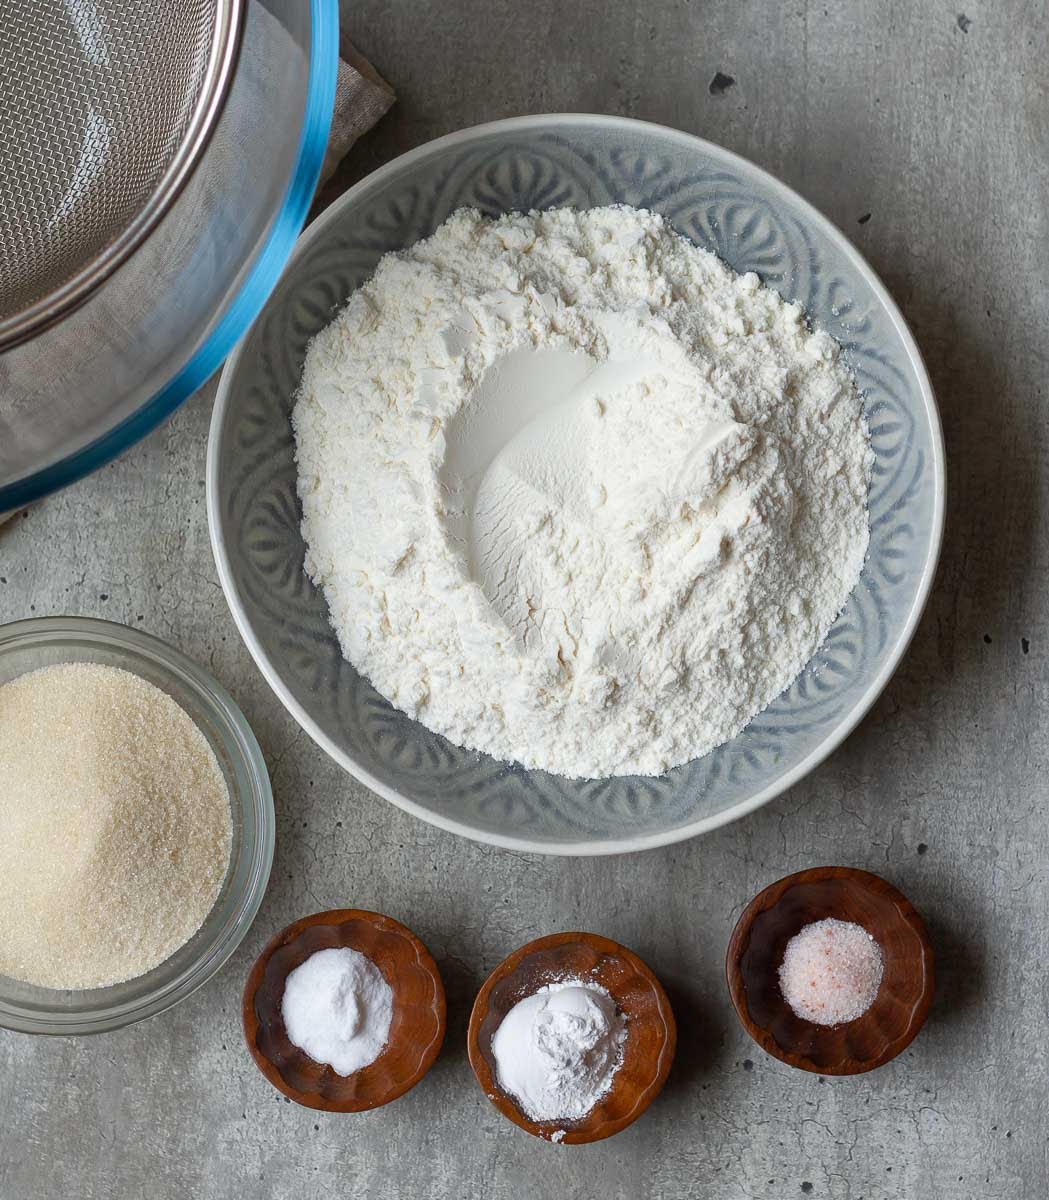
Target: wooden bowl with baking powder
<point>416,1030</point>
<point>759,942</point>
<point>651,1030</point>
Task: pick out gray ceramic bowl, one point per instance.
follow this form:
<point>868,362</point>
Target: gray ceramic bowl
<point>752,222</point>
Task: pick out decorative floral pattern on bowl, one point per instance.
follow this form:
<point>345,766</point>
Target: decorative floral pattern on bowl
<point>752,222</point>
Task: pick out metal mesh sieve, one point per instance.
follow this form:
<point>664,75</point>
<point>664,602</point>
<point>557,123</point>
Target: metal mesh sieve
<point>105,107</point>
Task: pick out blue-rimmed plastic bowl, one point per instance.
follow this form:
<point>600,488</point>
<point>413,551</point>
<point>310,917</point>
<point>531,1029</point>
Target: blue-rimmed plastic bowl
<point>46,641</point>
<point>754,223</point>
<point>83,391</point>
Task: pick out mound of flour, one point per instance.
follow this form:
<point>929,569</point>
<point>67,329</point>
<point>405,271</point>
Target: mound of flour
<point>578,495</point>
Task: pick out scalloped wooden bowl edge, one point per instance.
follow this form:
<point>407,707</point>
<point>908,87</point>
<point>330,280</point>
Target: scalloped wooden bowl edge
<point>765,901</point>
<point>597,1125</point>
<point>253,1022</point>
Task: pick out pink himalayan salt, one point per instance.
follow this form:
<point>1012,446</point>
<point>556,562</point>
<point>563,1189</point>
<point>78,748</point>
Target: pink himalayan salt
<point>831,972</point>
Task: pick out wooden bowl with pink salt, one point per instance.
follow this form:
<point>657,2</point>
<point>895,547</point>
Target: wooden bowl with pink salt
<point>831,970</point>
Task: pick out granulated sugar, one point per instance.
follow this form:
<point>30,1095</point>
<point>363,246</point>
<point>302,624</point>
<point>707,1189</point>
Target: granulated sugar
<point>115,826</point>
<point>831,972</point>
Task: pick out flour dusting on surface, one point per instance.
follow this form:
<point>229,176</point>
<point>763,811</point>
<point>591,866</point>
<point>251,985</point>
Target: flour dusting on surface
<point>577,494</point>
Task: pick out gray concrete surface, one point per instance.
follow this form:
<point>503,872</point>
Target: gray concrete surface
<point>923,130</point>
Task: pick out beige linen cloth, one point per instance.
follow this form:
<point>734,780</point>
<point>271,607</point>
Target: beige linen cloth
<point>362,96</point>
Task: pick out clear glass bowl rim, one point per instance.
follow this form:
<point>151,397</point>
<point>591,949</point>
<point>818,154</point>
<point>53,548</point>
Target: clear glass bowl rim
<point>245,305</point>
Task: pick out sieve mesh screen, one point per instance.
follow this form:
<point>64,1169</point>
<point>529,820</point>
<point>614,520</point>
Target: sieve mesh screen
<point>105,106</point>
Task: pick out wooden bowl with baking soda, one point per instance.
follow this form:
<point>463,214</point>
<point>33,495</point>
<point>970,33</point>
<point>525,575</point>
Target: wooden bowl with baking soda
<point>417,1016</point>
<point>646,1029</point>
<point>785,909</point>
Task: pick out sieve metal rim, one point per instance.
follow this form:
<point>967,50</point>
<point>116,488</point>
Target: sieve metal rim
<point>48,310</point>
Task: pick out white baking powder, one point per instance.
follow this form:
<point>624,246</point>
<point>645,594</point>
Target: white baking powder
<point>578,495</point>
<point>557,1051</point>
<point>338,1007</point>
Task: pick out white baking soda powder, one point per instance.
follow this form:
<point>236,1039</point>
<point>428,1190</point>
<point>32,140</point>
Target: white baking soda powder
<point>557,1051</point>
<point>338,1007</point>
<point>577,494</point>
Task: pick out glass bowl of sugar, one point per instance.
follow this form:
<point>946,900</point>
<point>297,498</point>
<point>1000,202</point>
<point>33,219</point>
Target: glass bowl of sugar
<point>231,751</point>
<point>534,793</point>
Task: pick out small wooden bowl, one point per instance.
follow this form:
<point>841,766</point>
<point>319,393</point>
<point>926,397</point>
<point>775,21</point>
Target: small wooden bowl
<point>756,951</point>
<point>416,1031</point>
<point>651,1030</point>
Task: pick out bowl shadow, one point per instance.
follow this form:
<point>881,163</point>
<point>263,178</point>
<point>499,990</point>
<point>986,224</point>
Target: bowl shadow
<point>993,517</point>
<point>702,1049</point>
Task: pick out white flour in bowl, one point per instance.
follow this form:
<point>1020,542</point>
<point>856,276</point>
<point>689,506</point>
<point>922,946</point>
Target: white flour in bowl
<point>577,494</point>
